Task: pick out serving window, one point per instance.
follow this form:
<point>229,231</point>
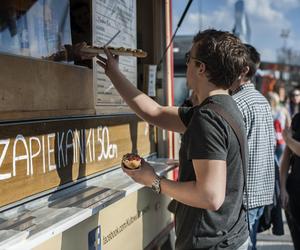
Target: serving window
<point>41,29</point>
<point>33,88</point>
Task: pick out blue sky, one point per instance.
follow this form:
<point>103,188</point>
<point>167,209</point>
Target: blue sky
<point>267,19</point>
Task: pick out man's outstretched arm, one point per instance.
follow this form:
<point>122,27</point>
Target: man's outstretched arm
<point>146,108</point>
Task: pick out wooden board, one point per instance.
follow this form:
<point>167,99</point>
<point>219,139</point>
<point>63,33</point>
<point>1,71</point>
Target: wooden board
<point>38,156</point>
<point>45,89</point>
<point>116,51</point>
<point>33,85</point>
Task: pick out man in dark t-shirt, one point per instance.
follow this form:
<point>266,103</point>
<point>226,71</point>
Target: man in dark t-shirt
<point>209,212</point>
<point>201,227</point>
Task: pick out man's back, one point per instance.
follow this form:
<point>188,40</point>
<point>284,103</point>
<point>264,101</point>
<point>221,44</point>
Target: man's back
<point>209,136</point>
<point>258,120</point>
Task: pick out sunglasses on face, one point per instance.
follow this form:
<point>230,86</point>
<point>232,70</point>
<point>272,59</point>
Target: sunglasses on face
<point>188,58</point>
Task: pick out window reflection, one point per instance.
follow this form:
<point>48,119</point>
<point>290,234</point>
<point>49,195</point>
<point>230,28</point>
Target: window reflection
<point>34,28</point>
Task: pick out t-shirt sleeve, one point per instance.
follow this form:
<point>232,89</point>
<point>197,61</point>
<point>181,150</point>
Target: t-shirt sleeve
<point>185,114</point>
<point>207,136</point>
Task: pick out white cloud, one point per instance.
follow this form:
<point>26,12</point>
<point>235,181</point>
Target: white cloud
<point>268,6</point>
<point>267,18</point>
<point>264,11</point>
<point>286,4</point>
<point>219,19</point>
<point>266,23</point>
<point>231,2</point>
<point>261,11</point>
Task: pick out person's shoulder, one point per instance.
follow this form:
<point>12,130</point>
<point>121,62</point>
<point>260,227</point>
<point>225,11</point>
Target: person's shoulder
<point>228,105</point>
<point>224,101</point>
<point>252,92</point>
<point>296,117</point>
<point>261,97</point>
<point>204,114</point>
<point>243,100</point>
<point>209,123</point>
<point>249,97</point>
<point>244,95</point>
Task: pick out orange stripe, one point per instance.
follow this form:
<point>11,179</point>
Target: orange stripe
<point>170,74</point>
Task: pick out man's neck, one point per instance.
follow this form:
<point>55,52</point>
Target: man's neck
<point>245,82</point>
<point>218,92</point>
<point>203,95</point>
<point>236,86</point>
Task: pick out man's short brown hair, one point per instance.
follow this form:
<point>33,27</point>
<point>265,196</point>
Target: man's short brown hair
<point>224,55</point>
<point>254,61</point>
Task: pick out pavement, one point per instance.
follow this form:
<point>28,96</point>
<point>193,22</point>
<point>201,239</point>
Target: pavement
<point>268,241</point>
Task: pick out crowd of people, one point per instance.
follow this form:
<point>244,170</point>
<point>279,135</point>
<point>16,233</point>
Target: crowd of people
<point>286,118</point>
<point>227,170</point>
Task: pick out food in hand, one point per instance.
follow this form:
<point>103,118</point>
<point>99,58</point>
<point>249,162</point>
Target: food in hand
<point>131,161</point>
<point>114,50</point>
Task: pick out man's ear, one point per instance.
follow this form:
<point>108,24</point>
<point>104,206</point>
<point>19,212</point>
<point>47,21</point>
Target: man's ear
<point>202,68</point>
<point>245,71</point>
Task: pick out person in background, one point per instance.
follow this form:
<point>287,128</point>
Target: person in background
<point>279,88</point>
<point>209,212</point>
<point>290,179</point>
<point>268,83</point>
<point>294,102</point>
<point>282,120</point>
<point>258,121</point>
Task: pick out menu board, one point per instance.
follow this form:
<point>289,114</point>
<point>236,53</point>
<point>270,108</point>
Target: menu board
<point>109,17</point>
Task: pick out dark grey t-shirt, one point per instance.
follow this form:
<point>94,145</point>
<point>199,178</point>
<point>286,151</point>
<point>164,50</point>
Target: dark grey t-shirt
<point>209,136</point>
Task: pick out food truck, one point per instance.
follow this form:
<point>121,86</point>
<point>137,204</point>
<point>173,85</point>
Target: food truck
<point>64,128</point>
